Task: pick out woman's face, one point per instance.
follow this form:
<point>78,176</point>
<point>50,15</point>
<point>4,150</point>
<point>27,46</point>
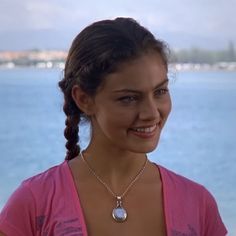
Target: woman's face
<point>131,107</point>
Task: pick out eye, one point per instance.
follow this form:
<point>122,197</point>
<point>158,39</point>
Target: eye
<point>128,99</point>
<point>161,91</point>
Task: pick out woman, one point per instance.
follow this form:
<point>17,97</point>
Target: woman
<point>115,78</point>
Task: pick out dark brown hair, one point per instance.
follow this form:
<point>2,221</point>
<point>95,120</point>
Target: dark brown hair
<point>95,52</point>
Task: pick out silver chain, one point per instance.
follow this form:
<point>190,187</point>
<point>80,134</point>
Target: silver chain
<point>107,187</point>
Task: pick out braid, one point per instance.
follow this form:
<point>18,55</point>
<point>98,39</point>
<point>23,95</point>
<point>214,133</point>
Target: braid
<point>72,124</point>
<point>71,134</point>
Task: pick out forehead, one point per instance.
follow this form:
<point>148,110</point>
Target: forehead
<point>142,73</point>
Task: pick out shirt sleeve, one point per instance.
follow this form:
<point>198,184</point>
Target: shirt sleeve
<point>213,222</point>
<point>18,215</point>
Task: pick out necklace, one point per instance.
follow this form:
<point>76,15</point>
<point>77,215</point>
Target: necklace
<point>119,213</point>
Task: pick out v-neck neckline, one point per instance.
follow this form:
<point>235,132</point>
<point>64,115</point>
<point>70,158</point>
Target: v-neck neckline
<point>77,202</point>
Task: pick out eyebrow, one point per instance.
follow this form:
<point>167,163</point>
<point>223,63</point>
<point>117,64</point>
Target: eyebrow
<point>137,91</point>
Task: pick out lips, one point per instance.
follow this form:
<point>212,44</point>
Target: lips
<point>145,129</point>
<point>144,132</point>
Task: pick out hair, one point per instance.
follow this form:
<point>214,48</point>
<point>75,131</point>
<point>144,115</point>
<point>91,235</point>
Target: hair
<point>95,52</point>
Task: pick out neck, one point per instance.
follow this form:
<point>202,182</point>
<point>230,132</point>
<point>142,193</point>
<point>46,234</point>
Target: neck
<point>115,167</point>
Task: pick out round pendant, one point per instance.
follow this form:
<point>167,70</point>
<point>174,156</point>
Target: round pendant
<point>119,214</point>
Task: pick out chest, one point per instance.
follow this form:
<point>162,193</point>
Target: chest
<point>144,208</point>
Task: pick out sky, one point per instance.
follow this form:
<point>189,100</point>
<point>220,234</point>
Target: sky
<point>52,24</point>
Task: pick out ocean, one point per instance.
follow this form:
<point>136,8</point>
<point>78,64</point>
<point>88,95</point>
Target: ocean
<point>198,141</point>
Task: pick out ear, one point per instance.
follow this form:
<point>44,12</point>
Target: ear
<point>83,101</point>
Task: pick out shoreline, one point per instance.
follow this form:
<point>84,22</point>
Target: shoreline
<point>221,66</point>
<point>49,59</point>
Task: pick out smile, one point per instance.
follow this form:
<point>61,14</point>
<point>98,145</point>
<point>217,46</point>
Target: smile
<point>146,129</point>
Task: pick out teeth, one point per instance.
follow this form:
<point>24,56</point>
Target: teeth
<point>145,130</point>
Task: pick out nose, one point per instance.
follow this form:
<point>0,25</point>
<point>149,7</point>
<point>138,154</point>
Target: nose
<point>149,110</point>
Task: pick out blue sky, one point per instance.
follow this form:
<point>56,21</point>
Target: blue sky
<point>52,24</point>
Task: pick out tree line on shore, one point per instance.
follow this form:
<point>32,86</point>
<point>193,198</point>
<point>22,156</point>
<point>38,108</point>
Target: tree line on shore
<point>198,55</point>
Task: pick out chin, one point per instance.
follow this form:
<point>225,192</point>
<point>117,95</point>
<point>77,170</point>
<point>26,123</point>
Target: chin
<point>145,148</point>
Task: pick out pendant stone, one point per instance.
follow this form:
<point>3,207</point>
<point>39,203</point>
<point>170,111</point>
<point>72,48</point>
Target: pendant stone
<point>119,214</point>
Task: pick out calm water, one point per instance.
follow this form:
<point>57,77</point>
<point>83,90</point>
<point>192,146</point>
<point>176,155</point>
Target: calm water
<point>199,140</point>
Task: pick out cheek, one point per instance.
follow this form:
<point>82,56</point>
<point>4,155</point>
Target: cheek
<point>113,117</point>
<point>169,106</point>
<point>166,107</point>
<point>117,120</point>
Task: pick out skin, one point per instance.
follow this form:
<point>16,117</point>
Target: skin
<point>130,100</point>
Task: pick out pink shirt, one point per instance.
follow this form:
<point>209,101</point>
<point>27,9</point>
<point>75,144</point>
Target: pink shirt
<point>48,204</point>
